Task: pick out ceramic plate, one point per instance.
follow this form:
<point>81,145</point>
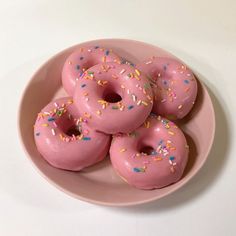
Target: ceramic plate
<point>100,184</point>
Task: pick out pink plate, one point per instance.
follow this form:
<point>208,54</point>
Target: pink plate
<point>100,184</point>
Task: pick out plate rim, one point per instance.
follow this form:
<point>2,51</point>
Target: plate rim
<point>99,202</point>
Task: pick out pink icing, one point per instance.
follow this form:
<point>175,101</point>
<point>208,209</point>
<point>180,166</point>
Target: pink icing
<point>116,97</point>
<point>81,60</point>
<point>174,86</point>
<point>54,129</point>
<point>153,156</point>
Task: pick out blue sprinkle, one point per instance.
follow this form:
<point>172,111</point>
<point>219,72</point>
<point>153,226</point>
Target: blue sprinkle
<point>83,85</point>
<point>77,67</point>
<point>165,82</point>
<point>37,134</point>
<point>107,52</point>
<point>130,107</point>
<point>186,81</point>
<point>81,58</point>
<point>51,119</point>
<point>171,158</point>
<point>161,141</point>
<point>165,67</point>
<point>136,169</point>
<point>86,138</point>
<point>81,73</point>
<point>96,47</point>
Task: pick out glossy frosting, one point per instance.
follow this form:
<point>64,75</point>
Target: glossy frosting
<point>81,60</point>
<point>174,86</point>
<point>116,97</point>
<point>63,149</point>
<point>161,166</point>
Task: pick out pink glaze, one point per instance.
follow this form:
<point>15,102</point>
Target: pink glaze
<point>115,97</point>
<point>153,156</point>
<point>81,60</point>
<point>174,86</point>
<point>81,148</point>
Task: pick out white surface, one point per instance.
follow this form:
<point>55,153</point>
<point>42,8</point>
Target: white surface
<point>202,33</point>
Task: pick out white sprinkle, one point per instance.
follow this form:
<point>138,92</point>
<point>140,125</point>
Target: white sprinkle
<point>76,79</point>
<point>139,102</point>
<point>188,74</point>
<point>128,91</point>
<point>122,71</point>
<point>148,62</point>
<point>53,132</point>
<point>174,72</point>
<point>55,104</point>
<point>47,113</point>
<point>134,97</point>
<point>163,100</point>
<point>174,164</point>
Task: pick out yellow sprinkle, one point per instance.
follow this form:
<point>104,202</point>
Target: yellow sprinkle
<point>171,133</point>
<point>104,59</point>
<point>139,102</point>
<point>147,124</point>
<point>144,103</point>
<point>45,125</point>
<point>99,112</point>
<point>123,150</point>
<point>158,159</point>
<point>136,77</point>
<point>137,72</point>
<point>70,101</point>
<point>80,136</point>
<point>61,136</point>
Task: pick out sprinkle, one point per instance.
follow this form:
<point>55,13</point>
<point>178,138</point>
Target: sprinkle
<point>115,107</point>
<point>69,62</point>
<point>81,58</point>
<point>86,131</point>
<point>122,149</point>
<point>77,67</point>
<point>96,47</point>
<point>122,86</point>
<point>45,125</point>
<point>114,76</point>
<point>158,159</point>
<point>122,71</point>
<point>83,85</point>
<point>107,52</point>
<point>37,134</point>
<point>147,124</point>
<point>87,115</point>
<point>53,132</point>
<point>90,72</point>
<point>148,62</point>
<point>171,158</point>
<point>180,106</point>
<point>136,77</point>
<point>55,104</point>
<point>102,82</point>
<point>134,97</point>
<point>139,102</point>
<point>104,59</point>
<point>135,169</point>
<point>85,94</point>
<point>86,138</point>
<point>144,103</point>
<point>51,119</point>
<point>137,72</point>
<point>172,169</point>
<point>188,74</point>
<point>186,81</point>
<point>70,101</point>
<point>130,107</point>
<point>99,112</point>
<point>171,133</point>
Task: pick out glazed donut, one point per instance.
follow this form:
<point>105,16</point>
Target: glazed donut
<point>115,97</point>
<point>81,60</point>
<point>64,140</point>
<point>174,86</point>
<point>153,156</point>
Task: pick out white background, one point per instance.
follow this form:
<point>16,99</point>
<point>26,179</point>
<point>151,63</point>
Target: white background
<point>201,32</point>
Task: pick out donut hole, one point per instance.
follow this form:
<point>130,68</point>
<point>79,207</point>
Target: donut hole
<point>73,130</point>
<point>146,149</point>
<point>68,126</point>
<point>111,95</point>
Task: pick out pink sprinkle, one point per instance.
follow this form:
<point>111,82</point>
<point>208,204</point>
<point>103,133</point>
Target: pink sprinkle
<point>86,131</point>
<point>55,124</point>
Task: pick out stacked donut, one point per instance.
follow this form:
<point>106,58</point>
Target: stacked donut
<point>118,108</point>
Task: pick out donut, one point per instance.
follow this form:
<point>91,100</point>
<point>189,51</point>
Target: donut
<point>152,156</point>
<point>116,97</point>
<point>64,140</point>
<point>174,86</point>
<point>81,60</point>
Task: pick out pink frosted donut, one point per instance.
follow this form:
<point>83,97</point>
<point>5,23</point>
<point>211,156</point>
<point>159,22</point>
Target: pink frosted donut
<point>116,97</point>
<point>81,60</point>
<point>64,140</point>
<point>153,156</point>
<point>174,86</point>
